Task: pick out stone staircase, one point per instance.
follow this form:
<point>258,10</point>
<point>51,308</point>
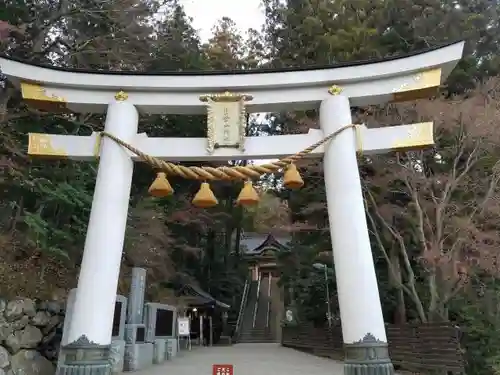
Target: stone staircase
<point>260,333</point>
<point>257,335</point>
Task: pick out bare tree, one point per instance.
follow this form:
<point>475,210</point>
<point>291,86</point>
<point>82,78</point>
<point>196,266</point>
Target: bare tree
<point>437,210</point>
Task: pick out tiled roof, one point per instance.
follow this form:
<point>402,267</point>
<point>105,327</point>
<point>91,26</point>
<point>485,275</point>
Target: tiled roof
<point>255,243</point>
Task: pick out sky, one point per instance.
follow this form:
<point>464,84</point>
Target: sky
<point>245,13</point>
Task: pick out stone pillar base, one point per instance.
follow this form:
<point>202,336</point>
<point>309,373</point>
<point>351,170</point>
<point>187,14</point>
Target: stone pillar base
<point>138,356</point>
<point>159,351</point>
<point>368,369</point>
<point>117,355</point>
<point>369,356</point>
<point>84,370</point>
<point>171,348</point>
<point>83,357</point>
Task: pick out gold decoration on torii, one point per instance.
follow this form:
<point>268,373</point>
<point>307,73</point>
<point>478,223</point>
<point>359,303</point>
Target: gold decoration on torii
<point>121,96</point>
<point>36,95</point>
<point>335,90</point>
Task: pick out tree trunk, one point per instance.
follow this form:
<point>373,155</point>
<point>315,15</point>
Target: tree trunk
<point>396,282</point>
<point>433,311</point>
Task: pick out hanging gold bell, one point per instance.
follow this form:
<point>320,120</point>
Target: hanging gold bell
<point>292,179</point>
<point>205,198</point>
<point>248,196</point>
<point>160,187</point>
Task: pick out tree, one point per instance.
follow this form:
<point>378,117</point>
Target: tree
<point>46,207</point>
<point>175,45</point>
<point>315,32</point>
<point>440,207</point>
<point>224,50</point>
<point>229,49</point>
<point>270,215</point>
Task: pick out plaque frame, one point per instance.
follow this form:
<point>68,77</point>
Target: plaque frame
<point>230,99</point>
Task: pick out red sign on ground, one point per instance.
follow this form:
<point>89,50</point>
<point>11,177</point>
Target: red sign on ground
<point>222,370</point>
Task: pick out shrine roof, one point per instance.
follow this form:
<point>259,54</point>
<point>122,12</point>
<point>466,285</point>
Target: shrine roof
<point>200,297</point>
<point>254,244</point>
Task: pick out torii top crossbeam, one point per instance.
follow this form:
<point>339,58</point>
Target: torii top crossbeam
<point>365,83</point>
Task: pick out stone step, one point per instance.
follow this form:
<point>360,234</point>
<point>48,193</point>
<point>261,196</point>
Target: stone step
<point>251,329</point>
<point>257,338</point>
<point>257,341</point>
<point>253,333</point>
<point>257,330</point>
<point>256,334</point>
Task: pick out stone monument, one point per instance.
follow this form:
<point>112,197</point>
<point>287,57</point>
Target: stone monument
<point>161,322</point>
<point>138,353</point>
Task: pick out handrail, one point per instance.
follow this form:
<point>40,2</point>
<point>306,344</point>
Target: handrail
<point>268,300</point>
<point>256,301</point>
<point>243,303</point>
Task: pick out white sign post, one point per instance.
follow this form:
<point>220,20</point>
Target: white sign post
<point>123,96</point>
<point>184,330</point>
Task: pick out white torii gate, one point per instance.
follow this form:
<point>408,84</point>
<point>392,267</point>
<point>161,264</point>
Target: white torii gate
<point>123,95</point>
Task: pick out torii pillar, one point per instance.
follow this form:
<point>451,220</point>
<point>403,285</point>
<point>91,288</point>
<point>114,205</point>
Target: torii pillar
<point>90,328</point>
<point>363,328</point>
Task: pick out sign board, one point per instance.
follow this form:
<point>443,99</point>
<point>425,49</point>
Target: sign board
<point>222,370</point>
<point>226,120</point>
<point>183,326</point>
<point>227,123</point>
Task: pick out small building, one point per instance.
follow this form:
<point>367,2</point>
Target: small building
<point>265,301</point>
<point>208,316</point>
<point>260,251</point>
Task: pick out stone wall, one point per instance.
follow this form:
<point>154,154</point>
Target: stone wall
<point>30,335</point>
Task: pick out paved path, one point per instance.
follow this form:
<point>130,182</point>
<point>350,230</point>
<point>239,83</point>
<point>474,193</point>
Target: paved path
<point>247,359</point>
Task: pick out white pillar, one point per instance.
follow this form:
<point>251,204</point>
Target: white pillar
<point>359,300</point>
<point>97,284</point>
